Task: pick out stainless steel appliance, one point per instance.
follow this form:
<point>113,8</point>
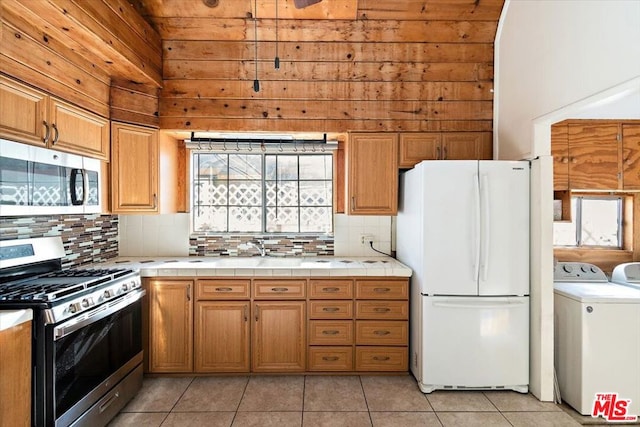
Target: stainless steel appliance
<point>39,181</point>
<point>87,332</point>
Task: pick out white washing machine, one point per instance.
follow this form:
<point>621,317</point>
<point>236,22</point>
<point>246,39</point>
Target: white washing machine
<point>627,274</point>
<point>597,337</point>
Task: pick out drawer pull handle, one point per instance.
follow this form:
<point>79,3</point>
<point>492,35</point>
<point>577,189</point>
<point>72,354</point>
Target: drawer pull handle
<point>224,289</point>
<point>382,309</point>
<point>381,358</point>
<point>331,332</point>
<point>381,332</point>
<point>381,290</point>
<point>280,289</point>
<point>330,358</point>
<point>330,289</point>
<point>331,309</point>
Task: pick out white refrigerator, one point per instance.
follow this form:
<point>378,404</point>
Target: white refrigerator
<point>463,228</point>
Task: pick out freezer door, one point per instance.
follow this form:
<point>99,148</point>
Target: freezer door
<point>504,228</point>
<point>451,224</point>
<point>480,342</point>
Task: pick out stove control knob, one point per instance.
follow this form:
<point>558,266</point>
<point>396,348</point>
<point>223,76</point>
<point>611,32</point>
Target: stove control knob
<point>86,302</point>
<point>108,294</point>
<point>125,287</point>
<point>74,307</point>
<point>133,284</point>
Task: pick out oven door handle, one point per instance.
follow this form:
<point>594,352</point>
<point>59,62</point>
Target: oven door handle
<point>96,314</point>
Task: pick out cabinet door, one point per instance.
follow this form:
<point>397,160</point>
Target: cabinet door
<point>134,169</point>
<point>593,156</point>
<point>78,131</point>
<point>631,156</point>
<point>15,376</point>
<point>560,153</point>
<point>222,337</point>
<point>465,145</point>
<point>372,168</point>
<point>170,326</point>
<point>416,147</point>
<point>24,113</point>
<point>279,336</point>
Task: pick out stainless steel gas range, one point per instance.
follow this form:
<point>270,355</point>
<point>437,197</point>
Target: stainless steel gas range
<point>87,332</point>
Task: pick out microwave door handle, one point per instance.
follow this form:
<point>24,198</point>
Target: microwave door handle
<point>72,184</point>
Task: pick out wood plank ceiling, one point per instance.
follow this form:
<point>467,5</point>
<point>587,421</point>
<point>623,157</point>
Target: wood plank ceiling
<point>366,65</point>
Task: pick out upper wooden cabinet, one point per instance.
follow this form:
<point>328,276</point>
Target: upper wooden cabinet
<point>631,156</point>
<point>560,153</point>
<point>416,147</point>
<point>593,156</point>
<point>134,169</point>
<point>34,117</point>
<point>596,155</point>
<point>372,174</point>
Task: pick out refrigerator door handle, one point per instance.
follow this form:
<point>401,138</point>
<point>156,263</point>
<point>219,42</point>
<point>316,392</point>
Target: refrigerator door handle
<point>475,225</point>
<point>486,224</point>
<point>475,304</point>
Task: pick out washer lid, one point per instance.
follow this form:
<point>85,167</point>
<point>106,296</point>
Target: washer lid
<point>598,292</point>
<point>628,272</point>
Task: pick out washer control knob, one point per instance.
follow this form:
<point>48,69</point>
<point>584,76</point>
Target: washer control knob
<point>567,268</point>
<point>584,269</point>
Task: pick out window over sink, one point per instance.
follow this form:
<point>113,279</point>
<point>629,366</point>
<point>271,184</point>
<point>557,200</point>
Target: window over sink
<point>266,192</point>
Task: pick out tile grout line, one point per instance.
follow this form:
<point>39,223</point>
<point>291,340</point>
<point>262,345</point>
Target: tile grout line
<point>364,394</point>
<point>244,391</point>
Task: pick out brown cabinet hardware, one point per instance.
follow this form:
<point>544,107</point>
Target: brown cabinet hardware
<point>331,332</point>
<point>330,358</point>
<point>381,358</point>
<point>223,289</point>
<point>280,289</point>
<point>331,309</point>
<point>381,332</point>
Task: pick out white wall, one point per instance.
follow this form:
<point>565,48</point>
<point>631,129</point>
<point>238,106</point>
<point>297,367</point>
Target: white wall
<point>555,53</point>
<point>558,59</point>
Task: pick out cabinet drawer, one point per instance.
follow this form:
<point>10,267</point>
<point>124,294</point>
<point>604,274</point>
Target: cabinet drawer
<point>382,310</point>
<point>330,332</point>
<point>222,289</point>
<point>330,289</point>
<point>330,358</point>
<point>372,332</point>
<point>382,289</point>
<point>330,309</point>
<point>382,359</point>
<point>279,289</point>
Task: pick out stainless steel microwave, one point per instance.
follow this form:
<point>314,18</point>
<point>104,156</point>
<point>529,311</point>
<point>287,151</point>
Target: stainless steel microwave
<point>40,181</point>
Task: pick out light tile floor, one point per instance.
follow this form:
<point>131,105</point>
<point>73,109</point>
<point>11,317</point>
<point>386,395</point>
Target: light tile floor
<point>335,401</point>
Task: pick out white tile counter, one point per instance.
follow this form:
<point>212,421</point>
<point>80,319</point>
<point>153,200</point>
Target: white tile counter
<point>11,318</point>
<point>262,266</point>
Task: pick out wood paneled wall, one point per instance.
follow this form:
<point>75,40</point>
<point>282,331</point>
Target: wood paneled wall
<point>72,48</point>
<point>393,66</point>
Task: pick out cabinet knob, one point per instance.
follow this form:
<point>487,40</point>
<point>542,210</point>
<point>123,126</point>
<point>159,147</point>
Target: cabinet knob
<point>381,290</point>
<point>331,332</point>
<point>280,289</point>
<point>57,133</point>
<point>381,358</point>
<point>223,289</point>
<point>330,289</point>
<point>564,160</point>
<point>330,358</point>
<point>331,309</point>
<point>574,160</point>
<point>381,333</point>
<point>382,309</point>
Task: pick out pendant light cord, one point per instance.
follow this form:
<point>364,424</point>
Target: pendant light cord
<point>256,82</point>
<point>277,59</point>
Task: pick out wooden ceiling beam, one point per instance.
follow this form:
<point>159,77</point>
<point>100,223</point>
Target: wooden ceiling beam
<point>103,31</point>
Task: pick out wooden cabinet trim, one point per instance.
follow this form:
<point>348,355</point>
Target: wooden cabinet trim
<point>382,289</point>
<point>218,289</point>
<point>335,309</point>
<point>279,289</point>
<point>330,289</point>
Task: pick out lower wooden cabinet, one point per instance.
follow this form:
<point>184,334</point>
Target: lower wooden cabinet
<point>15,376</point>
<point>221,336</point>
<point>170,336</point>
<point>278,343</point>
<point>269,325</point>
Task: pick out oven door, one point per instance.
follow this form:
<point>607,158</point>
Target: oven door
<point>91,353</point>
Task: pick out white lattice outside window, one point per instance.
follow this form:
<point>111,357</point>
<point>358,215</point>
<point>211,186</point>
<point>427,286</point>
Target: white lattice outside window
<point>262,193</point>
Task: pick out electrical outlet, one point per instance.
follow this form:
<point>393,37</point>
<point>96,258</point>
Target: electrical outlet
<point>366,238</point>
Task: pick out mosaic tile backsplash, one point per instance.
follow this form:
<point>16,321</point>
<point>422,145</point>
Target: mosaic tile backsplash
<point>86,238</point>
<point>281,245</point>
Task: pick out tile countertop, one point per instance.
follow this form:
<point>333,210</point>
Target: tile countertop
<point>324,266</point>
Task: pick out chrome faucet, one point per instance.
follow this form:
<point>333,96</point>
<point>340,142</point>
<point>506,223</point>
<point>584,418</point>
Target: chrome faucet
<point>260,248</point>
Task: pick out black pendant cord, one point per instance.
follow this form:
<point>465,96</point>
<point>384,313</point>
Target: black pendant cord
<point>277,59</point>
<point>256,82</point>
